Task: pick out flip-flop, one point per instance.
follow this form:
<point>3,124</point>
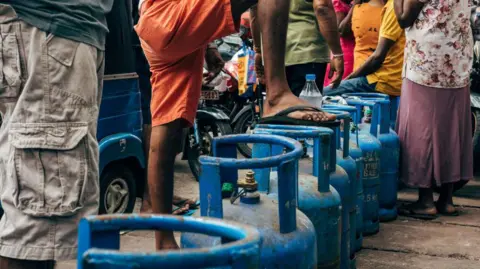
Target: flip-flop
<point>184,201</point>
<point>176,211</point>
<point>446,213</point>
<point>405,211</point>
<point>283,118</point>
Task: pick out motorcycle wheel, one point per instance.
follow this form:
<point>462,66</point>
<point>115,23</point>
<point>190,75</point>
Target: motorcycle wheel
<point>243,126</point>
<point>476,149</point>
<point>208,130</point>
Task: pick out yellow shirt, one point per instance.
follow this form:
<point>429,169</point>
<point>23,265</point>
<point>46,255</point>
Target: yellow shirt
<point>389,76</point>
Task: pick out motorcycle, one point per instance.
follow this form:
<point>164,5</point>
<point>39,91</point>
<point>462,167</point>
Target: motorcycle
<point>211,121</point>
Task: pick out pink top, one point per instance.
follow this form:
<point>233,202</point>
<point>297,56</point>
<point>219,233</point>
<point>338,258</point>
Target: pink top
<point>347,43</point>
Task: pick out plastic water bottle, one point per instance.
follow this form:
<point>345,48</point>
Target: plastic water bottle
<point>311,93</point>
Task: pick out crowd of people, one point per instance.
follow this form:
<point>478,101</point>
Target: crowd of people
<point>52,66</point>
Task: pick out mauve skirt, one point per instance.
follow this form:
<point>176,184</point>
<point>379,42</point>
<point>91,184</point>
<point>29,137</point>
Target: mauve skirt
<point>435,131</point>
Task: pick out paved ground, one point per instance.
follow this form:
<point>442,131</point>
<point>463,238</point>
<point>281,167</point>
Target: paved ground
<point>445,243</point>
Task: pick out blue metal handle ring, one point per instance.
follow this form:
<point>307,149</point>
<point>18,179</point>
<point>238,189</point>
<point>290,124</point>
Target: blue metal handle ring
<point>367,94</point>
<point>292,130</point>
<point>295,151</point>
<point>244,241</point>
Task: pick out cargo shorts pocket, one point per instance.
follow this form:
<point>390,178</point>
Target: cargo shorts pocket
<point>50,167</point>
<point>10,65</point>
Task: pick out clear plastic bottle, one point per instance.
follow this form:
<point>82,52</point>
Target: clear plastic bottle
<point>311,93</point>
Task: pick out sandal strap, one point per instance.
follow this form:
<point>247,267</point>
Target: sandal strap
<point>289,110</point>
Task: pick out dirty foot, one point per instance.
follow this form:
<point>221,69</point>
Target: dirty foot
<point>289,100</point>
<point>181,210</point>
<point>146,207</point>
<point>179,201</point>
<point>446,209</point>
<point>166,241</point>
<point>418,210</point>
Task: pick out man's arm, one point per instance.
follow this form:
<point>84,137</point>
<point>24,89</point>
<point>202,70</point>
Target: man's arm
<point>257,46</point>
<point>407,11</point>
<point>345,23</point>
<point>327,22</point>
<point>375,61</point>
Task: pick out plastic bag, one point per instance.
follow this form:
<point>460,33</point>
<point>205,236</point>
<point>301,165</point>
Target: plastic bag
<point>247,77</point>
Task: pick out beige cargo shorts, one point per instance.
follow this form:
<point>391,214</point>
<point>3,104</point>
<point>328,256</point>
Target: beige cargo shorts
<point>49,101</point>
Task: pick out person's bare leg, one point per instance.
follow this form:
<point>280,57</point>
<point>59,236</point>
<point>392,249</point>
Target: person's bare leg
<point>7,263</point>
<point>164,143</point>
<point>272,16</point>
<point>146,202</point>
<point>445,201</point>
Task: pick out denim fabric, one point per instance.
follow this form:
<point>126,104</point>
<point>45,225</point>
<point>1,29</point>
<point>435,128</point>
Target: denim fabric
<point>359,84</point>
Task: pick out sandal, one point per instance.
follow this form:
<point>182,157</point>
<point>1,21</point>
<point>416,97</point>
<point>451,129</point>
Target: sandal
<point>283,118</point>
<point>444,212</point>
<point>416,213</point>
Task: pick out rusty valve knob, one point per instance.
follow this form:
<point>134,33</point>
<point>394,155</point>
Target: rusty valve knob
<point>249,182</point>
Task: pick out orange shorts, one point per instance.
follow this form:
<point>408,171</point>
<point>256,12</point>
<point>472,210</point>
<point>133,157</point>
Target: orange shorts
<point>174,35</point>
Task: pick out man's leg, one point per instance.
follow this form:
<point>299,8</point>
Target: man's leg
<point>272,18</point>
<point>49,157</point>
<point>161,173</point>
<point>359,84</point>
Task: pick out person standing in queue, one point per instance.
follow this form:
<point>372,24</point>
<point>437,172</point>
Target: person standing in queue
<point>175,35</point>
<point>434,117</point>
<point>312,34</point>
<point>52,60</point>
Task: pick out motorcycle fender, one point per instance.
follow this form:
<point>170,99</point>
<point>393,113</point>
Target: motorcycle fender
<point>245,109</point>
<point>211,113</point>
<point>119,147</point>
<point>475,99</point>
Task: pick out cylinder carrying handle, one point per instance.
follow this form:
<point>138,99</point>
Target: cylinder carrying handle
<point>99,243</point>
<point>322,139</point>
<point>224,168</point>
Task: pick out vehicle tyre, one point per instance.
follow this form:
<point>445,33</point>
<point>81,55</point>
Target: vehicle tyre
<point>242,126</point>
<point>208,130</point>
<point>476,149</point>
<point>118,190</point>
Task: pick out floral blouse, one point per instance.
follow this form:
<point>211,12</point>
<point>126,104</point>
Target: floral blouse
<point>439,48</point>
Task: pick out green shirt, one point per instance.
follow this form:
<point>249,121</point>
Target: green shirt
<point>80,20</point>
<point>305,43</point>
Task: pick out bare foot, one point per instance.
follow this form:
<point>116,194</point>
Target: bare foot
<point>166,241</point>
<point>146,207</point>
<point>181,210</point>
<point>418,210</point>
<point>447,209</point>
<point>287,100</point>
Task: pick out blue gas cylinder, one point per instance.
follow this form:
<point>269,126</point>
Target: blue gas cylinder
<point>289,239</point>
<point>365,148</point>
<point>350,166</point>
<point>316,198</point>
<point>394,102</point>
<point>356,153</point>
<point>389,166</point>
<point>99,243</point>
<point>340,181</point>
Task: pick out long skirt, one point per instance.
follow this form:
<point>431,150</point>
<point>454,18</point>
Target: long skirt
<point>435,131</point>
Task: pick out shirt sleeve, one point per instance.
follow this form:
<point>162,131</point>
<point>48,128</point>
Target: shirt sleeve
<point>390,28</point>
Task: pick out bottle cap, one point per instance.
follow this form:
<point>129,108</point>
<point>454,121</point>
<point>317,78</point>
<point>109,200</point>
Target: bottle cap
<point>310,77</point>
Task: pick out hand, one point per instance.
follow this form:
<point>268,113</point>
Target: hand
<point>336,71</point>
<point>259,68</point>
<point>215,64</point>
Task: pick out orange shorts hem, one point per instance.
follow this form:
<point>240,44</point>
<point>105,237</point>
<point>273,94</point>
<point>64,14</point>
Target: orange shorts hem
<point>173,117</point>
